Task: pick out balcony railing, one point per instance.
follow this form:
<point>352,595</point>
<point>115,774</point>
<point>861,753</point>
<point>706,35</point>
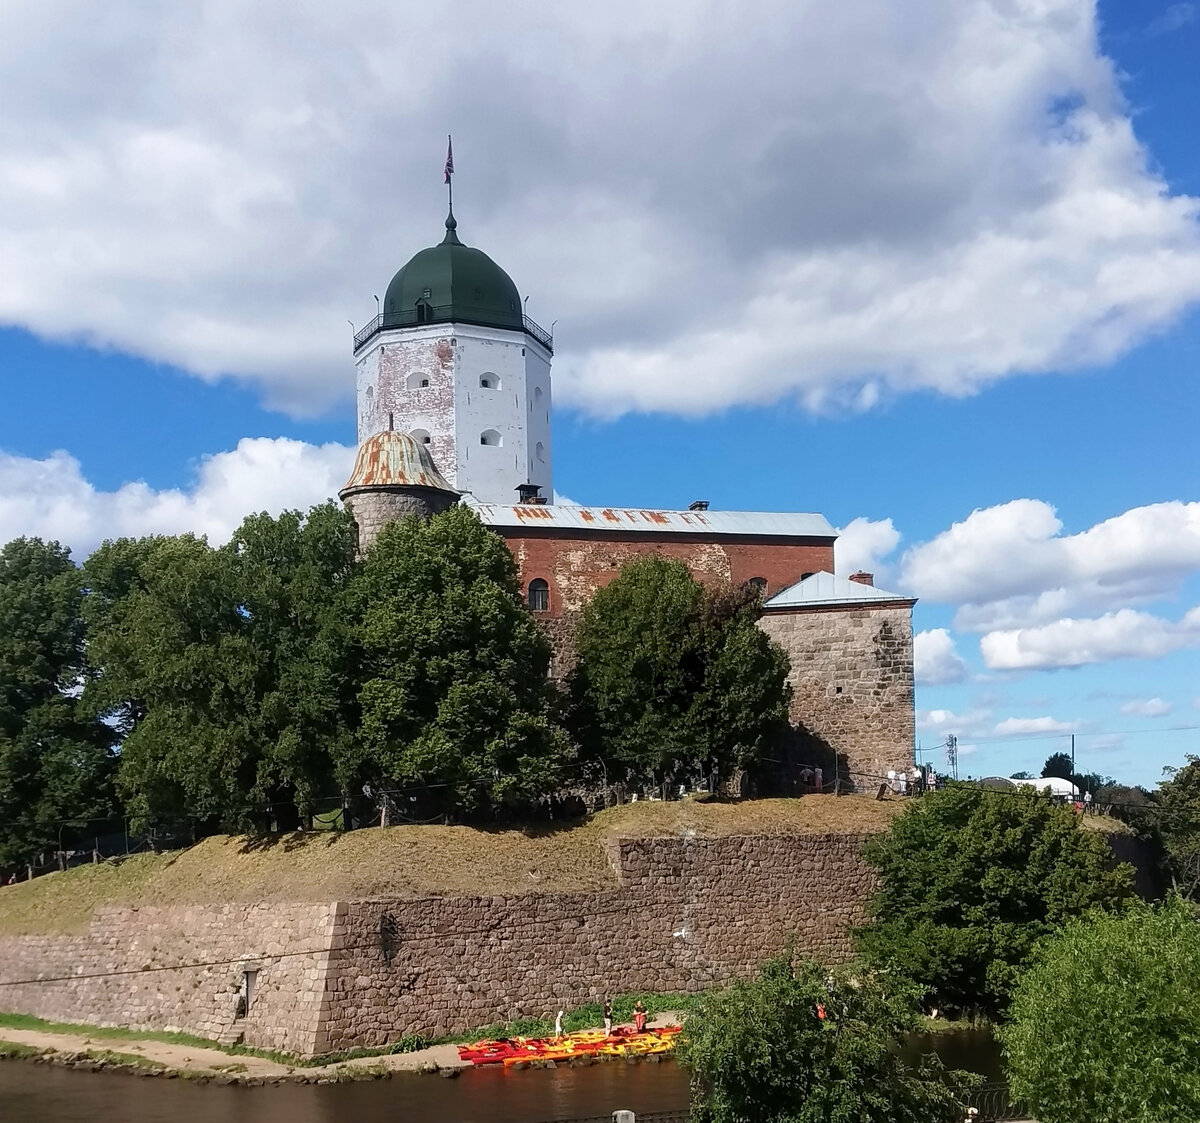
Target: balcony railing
<point>445,314</point>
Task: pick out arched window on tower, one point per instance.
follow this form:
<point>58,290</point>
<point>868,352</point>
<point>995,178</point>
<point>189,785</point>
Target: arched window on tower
<point>490,437</point>
<point>759,583</point>
<point>418,381</point>
<point>420,436</point>
<point>489,381</point>
<point>540,452</point>
<point>538,597</point>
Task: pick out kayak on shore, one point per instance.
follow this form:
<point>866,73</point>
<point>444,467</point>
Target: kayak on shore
<point>622,1042</point>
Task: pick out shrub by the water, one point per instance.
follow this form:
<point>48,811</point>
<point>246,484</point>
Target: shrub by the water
<point>798,1046</point>
<point>1106,1023</point>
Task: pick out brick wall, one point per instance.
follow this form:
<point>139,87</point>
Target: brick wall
<point>684,914</point>
<point>577,563</point>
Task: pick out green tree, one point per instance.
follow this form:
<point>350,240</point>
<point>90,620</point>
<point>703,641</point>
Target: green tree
<point>1106,1023</point>
<point>1179,824</point>
<point>762,1051</point>
<point>1059,765</point>
<point>455,698</point>
<point>970,880</point>
<point>675,680</point>
<point>56,764</point>
<point>225,669</point>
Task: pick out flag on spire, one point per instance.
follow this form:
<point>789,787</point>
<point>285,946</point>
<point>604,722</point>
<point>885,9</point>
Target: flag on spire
<point>449,158</point>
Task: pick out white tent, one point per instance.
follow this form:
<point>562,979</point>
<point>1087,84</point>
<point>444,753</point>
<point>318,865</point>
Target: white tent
<point>1055,785</point>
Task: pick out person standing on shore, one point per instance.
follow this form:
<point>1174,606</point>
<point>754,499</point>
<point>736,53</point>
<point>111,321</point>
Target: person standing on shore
<point>607,1016</point>
<point>558,1024</point>
<point>639,1016</point>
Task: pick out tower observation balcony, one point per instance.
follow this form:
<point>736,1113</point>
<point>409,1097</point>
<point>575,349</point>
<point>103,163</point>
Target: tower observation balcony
<point>447,314</point>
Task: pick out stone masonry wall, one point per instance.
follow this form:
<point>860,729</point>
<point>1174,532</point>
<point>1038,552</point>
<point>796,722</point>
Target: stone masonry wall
<point>686,913</point>
<point>287,944</point>
<point>852,683</point>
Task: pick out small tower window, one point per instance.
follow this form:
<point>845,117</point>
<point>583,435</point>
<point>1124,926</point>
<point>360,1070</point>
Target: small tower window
<point>539,596</point>
<point>759,583</point>
<point>418,381</point>
<point>540,452</point>
<point>490,437</point>
<point>489,381</point>
<point>420,436</point>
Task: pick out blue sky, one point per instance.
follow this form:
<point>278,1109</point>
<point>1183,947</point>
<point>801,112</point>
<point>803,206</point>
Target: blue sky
<point>192,338</point>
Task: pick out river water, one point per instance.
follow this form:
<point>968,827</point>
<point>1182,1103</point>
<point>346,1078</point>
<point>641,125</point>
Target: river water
<point>32,1093</point>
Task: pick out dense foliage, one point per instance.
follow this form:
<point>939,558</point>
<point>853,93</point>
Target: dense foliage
<point>970,880</point>
<point>224,668</point>
<point>454,691</point>
<point>56,763</point>
<point>797,1046</point>
<point>675,681</point>
<point>1179,824</point>
<point>1106,1023</point>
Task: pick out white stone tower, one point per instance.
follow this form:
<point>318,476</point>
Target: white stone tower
<point>453,360</point>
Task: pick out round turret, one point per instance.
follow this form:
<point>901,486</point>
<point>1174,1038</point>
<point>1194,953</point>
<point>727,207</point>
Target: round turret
<point>394,477</point>
<point>452,282</point>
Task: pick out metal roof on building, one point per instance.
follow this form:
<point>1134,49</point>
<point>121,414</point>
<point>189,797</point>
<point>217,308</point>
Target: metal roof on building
<point>759,524</point>
<point>825,588</point>
<point>394,459</point>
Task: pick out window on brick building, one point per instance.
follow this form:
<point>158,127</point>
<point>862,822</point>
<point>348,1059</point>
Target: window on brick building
<point>420,436</point>
<point>489,381</point>
<point>759,583</point>
<point>539,596</point>
<point>417,381</point>
<point>490,437</point>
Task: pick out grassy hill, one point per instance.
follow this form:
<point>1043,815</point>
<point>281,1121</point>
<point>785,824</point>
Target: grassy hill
<point>410,861</point>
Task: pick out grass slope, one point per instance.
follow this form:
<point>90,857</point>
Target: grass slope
<point>410,861</point>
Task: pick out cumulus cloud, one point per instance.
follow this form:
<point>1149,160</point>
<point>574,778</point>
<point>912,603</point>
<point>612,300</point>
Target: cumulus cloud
<point>1009,566</point>
<point>863,544</point>
<point>1019,726</point>
<point>844,201</point>
<point>1147,707</point>
<point>52,499</point>
<point>1126,634</point>
<point>936,661</point>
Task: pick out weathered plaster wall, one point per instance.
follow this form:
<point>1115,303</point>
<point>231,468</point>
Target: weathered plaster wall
<point>684,913</point>
<point>852,682</point>
<point>373,508</point>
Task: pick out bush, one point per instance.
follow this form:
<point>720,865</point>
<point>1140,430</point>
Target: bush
<point>971,880</point>
<point>1106,1023</point>
<point>762,1051</point>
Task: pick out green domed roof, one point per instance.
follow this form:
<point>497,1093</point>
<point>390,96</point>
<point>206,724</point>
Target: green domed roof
<point>451,281</point>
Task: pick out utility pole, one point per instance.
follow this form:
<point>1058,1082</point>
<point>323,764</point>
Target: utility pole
<point>952,753</point>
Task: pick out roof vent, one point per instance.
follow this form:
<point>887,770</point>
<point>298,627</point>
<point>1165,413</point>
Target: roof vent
<point>529,493</point>
<point>698,505</point>
<point>863,578</point>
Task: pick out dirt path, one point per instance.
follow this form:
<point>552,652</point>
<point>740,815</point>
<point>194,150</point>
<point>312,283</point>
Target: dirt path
<point>244,1067</point>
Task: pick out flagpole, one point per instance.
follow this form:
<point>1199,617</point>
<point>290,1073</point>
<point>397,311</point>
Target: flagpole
<point>450,170</point>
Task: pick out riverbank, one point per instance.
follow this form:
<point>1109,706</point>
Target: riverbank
<point>94,1049</point>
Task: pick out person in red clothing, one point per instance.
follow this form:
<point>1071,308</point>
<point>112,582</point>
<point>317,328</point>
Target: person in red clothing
<point>639,1016</point>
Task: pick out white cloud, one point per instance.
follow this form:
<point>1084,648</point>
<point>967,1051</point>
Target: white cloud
<point>1008,566</point>
<point>935,659</point>
<point>1147,707</point>
<point>863,544</point>
<point>971,723</point>
<point>1018,726</point>
<point>51,498</point>
<point>829,202</point>
<point>1126,634</point>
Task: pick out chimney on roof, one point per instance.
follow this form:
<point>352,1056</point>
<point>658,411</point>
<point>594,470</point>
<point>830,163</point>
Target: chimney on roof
<point>529,493</point>
<point>698,505</point>
<point>863,578</point>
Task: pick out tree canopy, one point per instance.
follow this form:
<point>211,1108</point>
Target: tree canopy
<point>675,681</point>
<point>1106,1023</point>
<point>798,1046</point>
<point>970,880</point>
<point>223,668</point>
<point>56,763</point>
<point>454,692</point>
<point>1179,825</point>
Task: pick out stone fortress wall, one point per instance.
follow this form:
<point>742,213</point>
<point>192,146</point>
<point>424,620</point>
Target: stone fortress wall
<point>684,914</point>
